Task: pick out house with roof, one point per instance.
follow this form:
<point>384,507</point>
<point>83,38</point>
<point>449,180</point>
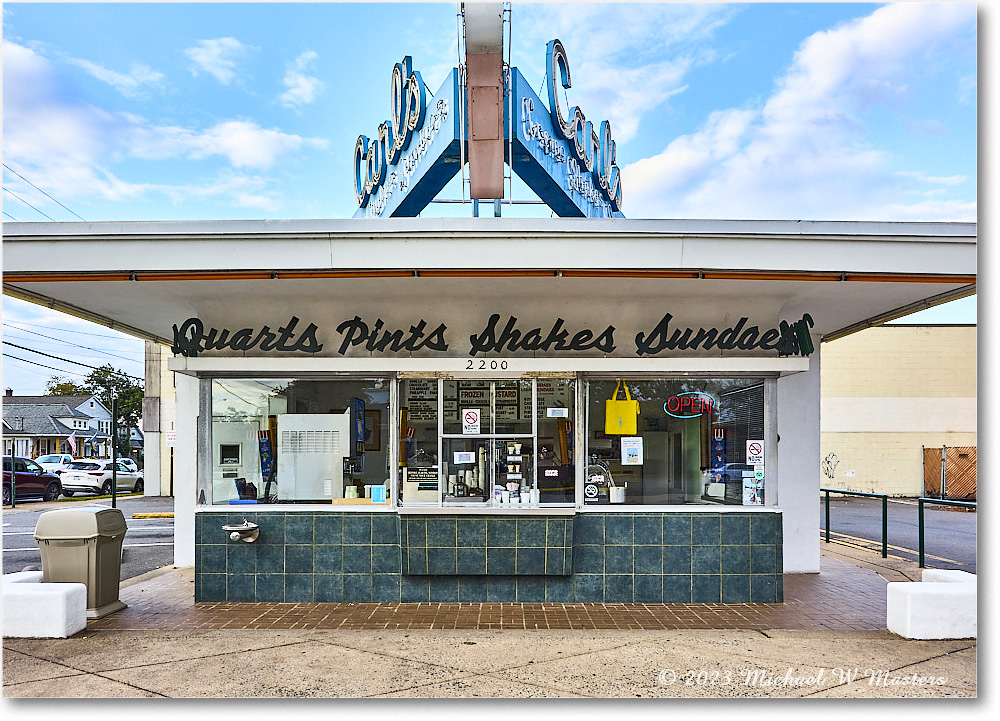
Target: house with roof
<point>37,425</point>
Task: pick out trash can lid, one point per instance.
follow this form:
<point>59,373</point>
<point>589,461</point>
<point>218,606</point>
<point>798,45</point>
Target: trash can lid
<point>80,522</point>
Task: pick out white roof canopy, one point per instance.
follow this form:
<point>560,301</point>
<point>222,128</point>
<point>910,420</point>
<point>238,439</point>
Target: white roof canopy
<point>142,277</point>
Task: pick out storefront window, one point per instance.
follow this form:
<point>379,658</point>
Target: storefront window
<point>299,441</point>
<point>486,442</point>
<point>688,443</point>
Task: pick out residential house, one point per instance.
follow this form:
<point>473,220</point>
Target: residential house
<point>37,425</point>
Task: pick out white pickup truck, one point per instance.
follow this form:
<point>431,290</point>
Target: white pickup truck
<point>55,462</point>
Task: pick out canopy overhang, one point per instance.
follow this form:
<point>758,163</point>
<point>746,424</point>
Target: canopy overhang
<point>143,277</point>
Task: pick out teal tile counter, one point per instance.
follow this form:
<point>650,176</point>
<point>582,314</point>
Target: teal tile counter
<point>487,545</point>
<point>642,557</point>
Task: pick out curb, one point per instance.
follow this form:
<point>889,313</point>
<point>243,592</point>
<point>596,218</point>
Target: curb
<point>889,569</point>
<point>153,515</point>
<point>148,575</point>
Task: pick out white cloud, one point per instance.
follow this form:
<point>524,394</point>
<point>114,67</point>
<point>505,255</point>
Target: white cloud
<point>129,84</point>
<point>302,88</point>
<point>243,143</point>
<point>625,59</point>
<point>805,152</point>
<point>217,57</point>
<point>228,187</point>
<point>950,180</point>
<point>69,148</point>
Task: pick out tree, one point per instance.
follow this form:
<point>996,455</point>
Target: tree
<point>104,382</point>
<point>58,386</point>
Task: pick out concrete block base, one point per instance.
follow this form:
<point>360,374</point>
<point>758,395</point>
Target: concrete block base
<point>32,609</point>
<point>943,605</point>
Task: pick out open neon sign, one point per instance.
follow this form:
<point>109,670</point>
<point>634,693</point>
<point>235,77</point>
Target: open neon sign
<point>689,405</point>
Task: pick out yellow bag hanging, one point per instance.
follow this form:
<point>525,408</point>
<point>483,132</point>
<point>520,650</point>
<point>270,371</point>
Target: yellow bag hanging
<point>621,417</point>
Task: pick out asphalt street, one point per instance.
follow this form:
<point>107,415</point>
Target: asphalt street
<point>149,542</point>
<point>949,534</point>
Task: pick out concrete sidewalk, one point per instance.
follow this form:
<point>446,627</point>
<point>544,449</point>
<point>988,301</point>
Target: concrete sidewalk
<point>827,640</point>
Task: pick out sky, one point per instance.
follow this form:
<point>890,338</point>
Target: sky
<point>821,111</point>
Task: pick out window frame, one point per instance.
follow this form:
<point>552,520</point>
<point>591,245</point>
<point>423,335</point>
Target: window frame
<point>769,424</point>
<point>206,442</point>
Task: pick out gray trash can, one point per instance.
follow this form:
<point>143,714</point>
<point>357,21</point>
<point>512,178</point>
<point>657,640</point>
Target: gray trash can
<point>84,545</point>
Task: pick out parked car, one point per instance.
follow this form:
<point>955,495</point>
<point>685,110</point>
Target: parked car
<point>94,476</point>
<point>732,472</point>
<point>132,465</point>
<point>30,480</point>
<point>55,462</point>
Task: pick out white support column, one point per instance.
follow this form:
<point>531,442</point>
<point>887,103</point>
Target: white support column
<point>185,470</point>
<point>799,465</point>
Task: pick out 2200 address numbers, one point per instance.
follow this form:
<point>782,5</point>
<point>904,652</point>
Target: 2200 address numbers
<point>482,364</point>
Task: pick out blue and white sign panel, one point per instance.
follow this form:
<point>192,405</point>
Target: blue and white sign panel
<point>565,158</point>
<point>412,155</point>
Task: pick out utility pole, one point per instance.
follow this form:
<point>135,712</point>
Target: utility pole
<point>114,450</point>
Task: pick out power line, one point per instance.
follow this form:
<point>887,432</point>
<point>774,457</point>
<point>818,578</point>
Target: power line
<point>96,350</point>
<point>27,203</point>
<point>61,330</point>
<point>67,360</point>
<point>13,334</point>
<point>25,360</point>
<point>11,217</point>
<point>39,189</point>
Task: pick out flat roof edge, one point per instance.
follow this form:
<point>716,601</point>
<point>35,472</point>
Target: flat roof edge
<point>438,226</point>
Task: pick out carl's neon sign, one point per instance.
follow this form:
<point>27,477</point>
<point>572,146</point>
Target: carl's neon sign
<point>689,405</point>
<point>595,152</point>
<point>408,108</point>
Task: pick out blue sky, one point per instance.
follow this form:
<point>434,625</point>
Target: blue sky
<point>249,110</point>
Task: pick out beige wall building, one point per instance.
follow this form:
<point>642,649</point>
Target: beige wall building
<point>886,392</point>
<point>158,416</point>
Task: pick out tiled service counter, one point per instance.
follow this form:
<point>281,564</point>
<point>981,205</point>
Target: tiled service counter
<point>703,556</point>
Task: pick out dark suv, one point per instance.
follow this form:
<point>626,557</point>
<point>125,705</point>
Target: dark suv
<point>32,481</point>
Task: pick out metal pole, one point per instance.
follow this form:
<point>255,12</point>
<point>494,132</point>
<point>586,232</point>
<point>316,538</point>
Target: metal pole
<point>923,471</point>
<point>827,516</point>
<point>885,526</point>
<point>944,455</point>
<point>114,452</point>
<point>920,530</point>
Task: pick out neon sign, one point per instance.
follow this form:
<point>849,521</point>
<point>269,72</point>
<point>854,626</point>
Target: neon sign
<point>594,152</point>
<point>408,107</point>
<point>689,405</point>
<point>567,161</point>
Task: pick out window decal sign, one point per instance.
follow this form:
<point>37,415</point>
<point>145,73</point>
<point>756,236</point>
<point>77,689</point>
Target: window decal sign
<point>755,452</point>
<point>718,454</point>
<point>471,421</point>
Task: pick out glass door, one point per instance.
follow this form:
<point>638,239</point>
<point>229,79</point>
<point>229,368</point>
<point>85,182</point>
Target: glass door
<point>486,442</point>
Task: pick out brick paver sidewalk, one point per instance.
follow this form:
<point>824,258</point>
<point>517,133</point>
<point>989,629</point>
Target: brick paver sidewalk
<point>848,594</point>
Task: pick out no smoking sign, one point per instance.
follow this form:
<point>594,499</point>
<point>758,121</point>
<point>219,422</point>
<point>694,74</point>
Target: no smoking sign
<point>755,453</point>
<point>470,421</point>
